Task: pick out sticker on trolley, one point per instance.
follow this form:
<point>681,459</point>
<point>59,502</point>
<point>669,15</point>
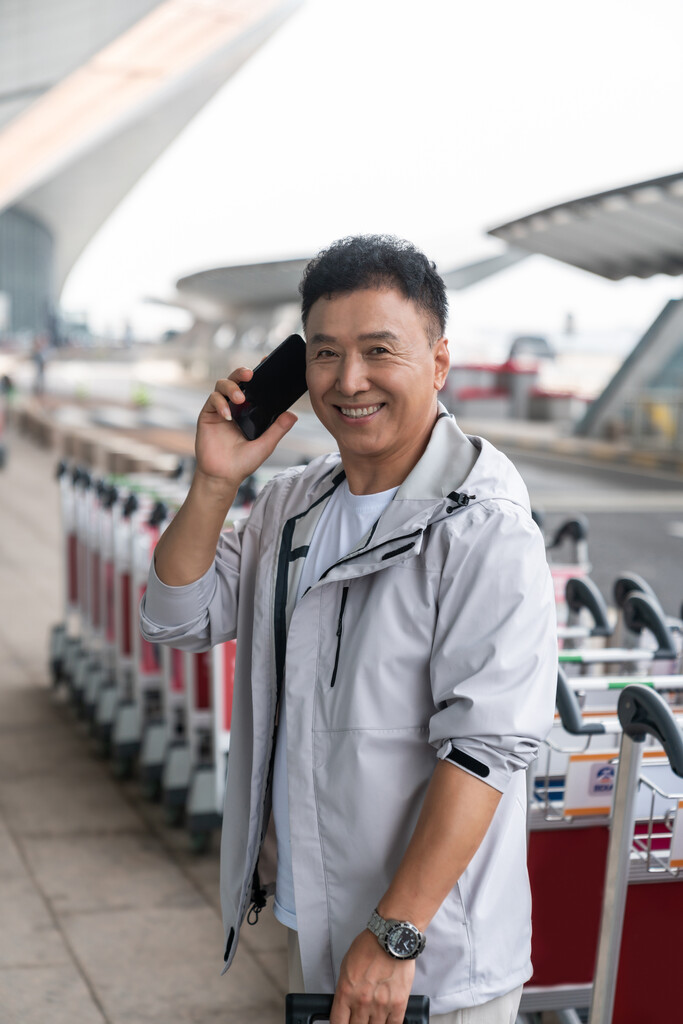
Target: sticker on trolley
<point>602,779</point>
<point>676,852</point>
<point>589,784</point>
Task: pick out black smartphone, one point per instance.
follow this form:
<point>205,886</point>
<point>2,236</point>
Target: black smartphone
<point>277,383</point>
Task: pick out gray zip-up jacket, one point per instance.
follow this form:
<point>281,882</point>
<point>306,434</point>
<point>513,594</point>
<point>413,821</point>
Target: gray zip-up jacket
<point>434,638</point>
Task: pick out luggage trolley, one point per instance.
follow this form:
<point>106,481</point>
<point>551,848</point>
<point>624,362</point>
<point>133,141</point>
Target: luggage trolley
<point>630,583</point>
<point>642,615</point>
<point>102,676</point>
<point>209,719</point>
<point>112,698</point>
<point>89,671</point>
<point>587,613</point>
<point>140,701</point>
<point>198,695</point>
<point>167,726</point>
<point>64,638</point>
<point>572,878</point>
<point>567,553</point>
<point>69,640</point>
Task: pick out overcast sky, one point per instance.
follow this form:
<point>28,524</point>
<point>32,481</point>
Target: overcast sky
<point>433,120</point>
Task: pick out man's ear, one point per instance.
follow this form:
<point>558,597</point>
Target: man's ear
<point>442,362</point>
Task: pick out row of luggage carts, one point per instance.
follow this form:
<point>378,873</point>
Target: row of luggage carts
<point>605,852</point>
<point>605,796</point>
<point>158,714</point>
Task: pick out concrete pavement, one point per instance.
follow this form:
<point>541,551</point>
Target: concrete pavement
<point>107,917</point>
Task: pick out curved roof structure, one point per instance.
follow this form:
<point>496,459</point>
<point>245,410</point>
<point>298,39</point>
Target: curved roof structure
<point>633,231</point>
<point>250,286</point>
<point>253,288</point>
<point>71,147</point>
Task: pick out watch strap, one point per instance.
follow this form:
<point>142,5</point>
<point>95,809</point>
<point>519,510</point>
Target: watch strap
<point>381,927</point>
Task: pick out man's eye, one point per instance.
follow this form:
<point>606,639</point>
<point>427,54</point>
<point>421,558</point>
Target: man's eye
<point>324,353</point>
<point>378,350</point>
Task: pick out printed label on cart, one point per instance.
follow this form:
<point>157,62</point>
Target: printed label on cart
<point>602,779</point>
<point>676,858</point>
<point>589,785</point>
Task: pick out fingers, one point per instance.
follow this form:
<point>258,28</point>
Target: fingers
<point>227,390</point>
<point>283,424</point>
<point>371,988</point>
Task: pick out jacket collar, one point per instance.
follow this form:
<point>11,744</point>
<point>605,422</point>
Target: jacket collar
<point>453,462</point>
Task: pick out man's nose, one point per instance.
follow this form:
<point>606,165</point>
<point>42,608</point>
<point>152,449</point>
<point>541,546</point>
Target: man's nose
<point>352,376</point>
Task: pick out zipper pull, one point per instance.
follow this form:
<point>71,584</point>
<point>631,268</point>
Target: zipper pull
<point>340,623</point>
<point>258,899</point>
<point>459,499</point>
<point>254,911</point>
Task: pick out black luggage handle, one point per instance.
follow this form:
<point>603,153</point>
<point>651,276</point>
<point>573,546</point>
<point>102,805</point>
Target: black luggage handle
<point>569,711</point>
<point>303,1009</point>
<point>581,592</point>
<point>641,611</point>
<point>630,583</point>
<point>641,711</point>
<point>575,529</point>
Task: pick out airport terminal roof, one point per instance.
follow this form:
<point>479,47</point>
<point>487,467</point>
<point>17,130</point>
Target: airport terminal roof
<point>258,286</point>
<point>252,285</point>
<point>633,231</point>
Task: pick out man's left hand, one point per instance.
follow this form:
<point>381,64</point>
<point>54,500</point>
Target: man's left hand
<point>373,987</point>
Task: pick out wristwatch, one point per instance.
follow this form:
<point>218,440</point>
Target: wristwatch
<point>399,939</point>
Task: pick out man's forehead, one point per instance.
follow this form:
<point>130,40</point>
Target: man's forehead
<point>364,315</point>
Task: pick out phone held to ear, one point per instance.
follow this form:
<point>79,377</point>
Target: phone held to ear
<point>276,385</point>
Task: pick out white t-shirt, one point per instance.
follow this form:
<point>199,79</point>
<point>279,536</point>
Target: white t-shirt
<point>345,521</point>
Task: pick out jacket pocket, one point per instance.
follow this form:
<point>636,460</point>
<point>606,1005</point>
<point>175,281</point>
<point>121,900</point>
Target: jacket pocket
<point>340,623</point>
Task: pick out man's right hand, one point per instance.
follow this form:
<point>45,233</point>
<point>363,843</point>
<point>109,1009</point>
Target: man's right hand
<point>223,453</point>
<point>224,459</point>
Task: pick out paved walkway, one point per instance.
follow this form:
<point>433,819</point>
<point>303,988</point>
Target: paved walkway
<point>106,916</point>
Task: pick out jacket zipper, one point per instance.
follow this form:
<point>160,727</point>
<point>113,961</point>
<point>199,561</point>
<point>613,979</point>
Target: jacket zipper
<point>257,896</point>
<point>340,621</point>
<point>369,551</point>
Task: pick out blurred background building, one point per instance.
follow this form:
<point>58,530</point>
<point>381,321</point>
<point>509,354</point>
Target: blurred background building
<point>90,94</point>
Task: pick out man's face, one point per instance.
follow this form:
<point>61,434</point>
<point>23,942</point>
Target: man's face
<point>373,378</point>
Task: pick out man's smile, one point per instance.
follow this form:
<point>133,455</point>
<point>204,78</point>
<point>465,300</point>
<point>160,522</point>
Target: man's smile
<point>357,412</point>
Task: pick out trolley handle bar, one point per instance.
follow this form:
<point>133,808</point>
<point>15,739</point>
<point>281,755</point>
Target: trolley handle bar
<point>303,1009</point>
<point>569,711</point>
<point>575,529</point>
<point>643,611</point>
<point>630,583</point>
<point>583,593</point>
<point>642,711</point>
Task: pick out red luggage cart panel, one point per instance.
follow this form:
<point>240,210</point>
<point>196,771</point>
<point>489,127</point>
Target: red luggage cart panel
<point>567,874</point>
<point>202,693</point>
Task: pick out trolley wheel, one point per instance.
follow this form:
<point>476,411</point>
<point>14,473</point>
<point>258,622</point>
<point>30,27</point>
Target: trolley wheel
<point>200,842</point>
<point>122,767</point>
<point>173,815</point>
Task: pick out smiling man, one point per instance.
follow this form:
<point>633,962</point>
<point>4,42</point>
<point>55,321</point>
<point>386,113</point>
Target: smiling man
<point>396,660</point>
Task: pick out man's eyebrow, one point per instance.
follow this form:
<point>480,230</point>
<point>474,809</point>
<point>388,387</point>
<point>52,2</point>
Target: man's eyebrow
<point>321,339</point>
<point>378,336</point>
<point>328,339</point>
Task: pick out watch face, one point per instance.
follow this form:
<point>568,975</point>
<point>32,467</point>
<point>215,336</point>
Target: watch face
<point>402,941</point>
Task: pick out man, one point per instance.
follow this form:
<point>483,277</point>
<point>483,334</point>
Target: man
<point>396,660</point>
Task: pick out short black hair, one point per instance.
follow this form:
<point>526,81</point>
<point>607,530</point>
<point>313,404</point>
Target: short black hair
<point>376,261</point>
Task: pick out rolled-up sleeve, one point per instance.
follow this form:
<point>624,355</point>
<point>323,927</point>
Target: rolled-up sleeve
<point>494,659</point>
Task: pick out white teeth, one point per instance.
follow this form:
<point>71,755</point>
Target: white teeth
<point>356,413</point>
